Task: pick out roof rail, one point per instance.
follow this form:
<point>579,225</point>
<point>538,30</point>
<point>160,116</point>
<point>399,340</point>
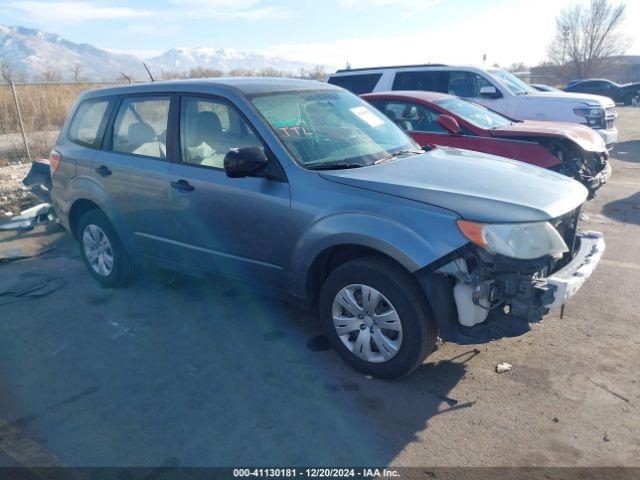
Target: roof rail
<point>392,66</point>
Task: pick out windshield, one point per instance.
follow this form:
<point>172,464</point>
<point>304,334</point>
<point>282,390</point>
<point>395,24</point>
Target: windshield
<point>329,127</point>
<point>513,83</point>
<point>473,113</point>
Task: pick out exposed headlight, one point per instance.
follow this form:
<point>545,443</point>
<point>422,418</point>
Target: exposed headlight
<point>516,240</point>
<point>589,111</point>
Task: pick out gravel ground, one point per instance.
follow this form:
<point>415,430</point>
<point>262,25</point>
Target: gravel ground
<point>202,372</point>
<point>12,146</point>
<point>14,197</point>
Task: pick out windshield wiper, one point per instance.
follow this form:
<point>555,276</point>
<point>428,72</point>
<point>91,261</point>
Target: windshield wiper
<point>333,165</point>
<point>398,154</point>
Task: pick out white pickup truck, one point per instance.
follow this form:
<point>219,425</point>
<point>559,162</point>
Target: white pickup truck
<point>492,87</point>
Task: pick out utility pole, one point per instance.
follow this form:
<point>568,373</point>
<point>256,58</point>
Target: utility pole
<point>24,133</point>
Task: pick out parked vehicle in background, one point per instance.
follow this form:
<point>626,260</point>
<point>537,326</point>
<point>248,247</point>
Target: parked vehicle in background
<point>439,119</point>
<point>545,88</point>
<point>310,193</point>
<point>600,86</point>
<point>494,88</point>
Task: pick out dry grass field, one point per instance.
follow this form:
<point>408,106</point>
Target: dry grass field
<point>44,107</point>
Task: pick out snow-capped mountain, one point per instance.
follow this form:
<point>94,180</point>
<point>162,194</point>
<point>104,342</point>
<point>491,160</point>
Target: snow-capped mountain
<point>34,55</point>
<point>224,59</point>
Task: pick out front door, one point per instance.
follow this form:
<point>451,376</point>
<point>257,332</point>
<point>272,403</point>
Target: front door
<point>237,227</point>
<point>468,84</point>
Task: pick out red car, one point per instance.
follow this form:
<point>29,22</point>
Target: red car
<point>438,119</point>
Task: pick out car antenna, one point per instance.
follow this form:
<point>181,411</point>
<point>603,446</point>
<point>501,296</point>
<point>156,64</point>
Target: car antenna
<point>148,71</point>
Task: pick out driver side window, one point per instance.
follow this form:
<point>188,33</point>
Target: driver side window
<point>466,84</point>
<point>209,129</point>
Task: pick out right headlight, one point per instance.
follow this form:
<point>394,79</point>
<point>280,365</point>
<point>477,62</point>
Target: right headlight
<point>516,240</point>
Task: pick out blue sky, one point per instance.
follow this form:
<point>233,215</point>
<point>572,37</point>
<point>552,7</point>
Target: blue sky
<point>330,32</point>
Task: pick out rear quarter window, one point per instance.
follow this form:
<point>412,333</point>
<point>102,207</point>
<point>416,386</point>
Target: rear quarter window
<point>88,122</point>
<point>357,84</point>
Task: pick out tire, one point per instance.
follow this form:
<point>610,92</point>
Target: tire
<point>95,225</point>
<point>381,279</point>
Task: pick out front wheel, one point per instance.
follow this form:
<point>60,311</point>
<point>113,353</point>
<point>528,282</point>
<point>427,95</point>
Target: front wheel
<point>376,317</point>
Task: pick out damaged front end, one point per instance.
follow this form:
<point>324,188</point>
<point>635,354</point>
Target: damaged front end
<point>592,169</point>
<point>489,296</point>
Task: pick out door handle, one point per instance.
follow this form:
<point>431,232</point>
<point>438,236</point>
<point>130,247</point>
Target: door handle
<point>183,186</point>
<point>103,171</point>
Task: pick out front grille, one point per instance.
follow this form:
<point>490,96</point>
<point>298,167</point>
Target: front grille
<point>610,124</point>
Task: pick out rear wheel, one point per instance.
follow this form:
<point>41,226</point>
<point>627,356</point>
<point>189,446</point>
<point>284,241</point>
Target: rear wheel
<point>101,250</point>
<point>376,317</point>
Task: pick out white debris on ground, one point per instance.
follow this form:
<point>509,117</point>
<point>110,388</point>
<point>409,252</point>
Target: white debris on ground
<point>503,367</point>
<point>14,197</point>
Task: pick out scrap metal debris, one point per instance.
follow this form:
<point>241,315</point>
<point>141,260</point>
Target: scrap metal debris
<point>28,286</point>
<point>39,180</point>
<point>29,218</point>
<point>503,367</point>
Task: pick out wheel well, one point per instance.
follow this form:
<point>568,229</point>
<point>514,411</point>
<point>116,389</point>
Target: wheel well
<point>330,259</point>
<point>79,208</point>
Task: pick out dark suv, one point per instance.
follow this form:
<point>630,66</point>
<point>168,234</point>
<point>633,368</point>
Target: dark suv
<point>306,190</point>
<point>618,93</point>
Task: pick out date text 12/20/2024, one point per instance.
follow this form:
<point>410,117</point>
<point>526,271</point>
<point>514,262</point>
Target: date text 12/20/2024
<point>316,472</point>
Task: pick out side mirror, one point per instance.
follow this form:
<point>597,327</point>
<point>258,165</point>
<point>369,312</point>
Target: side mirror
<point>489,92</point>
<point>245,162</point>
<point>449,123</point>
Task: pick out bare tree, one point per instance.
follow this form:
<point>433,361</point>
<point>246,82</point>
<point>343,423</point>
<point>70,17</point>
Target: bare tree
<point>6,70</point>
<point>318,73</point>
<point>587,36</point>
<point>50,76</point>
<point>517,67</point>
<point>77,71</point>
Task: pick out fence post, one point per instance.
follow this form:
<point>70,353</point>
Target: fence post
<point>24,134</point>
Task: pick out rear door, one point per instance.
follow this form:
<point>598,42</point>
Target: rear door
<point>132,169</point>
<point>237,227</point>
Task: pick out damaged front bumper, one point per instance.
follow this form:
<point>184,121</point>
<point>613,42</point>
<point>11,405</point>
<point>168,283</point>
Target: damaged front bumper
<point>568,280</point>
<point>494,297</point>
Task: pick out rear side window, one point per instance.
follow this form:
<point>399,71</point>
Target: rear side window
<point>141,126</point>
<point>89,119</point>
<point>411,117</point>
<point>430,81</point>
<point>357,84</point>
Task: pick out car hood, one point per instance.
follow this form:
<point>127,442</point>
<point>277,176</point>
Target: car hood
<point>582,135</point>
<point>476,186</point>
<point>575,98</point>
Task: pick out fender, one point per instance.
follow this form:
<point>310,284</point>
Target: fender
<point>411,248</point>
<point>85,188</point>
